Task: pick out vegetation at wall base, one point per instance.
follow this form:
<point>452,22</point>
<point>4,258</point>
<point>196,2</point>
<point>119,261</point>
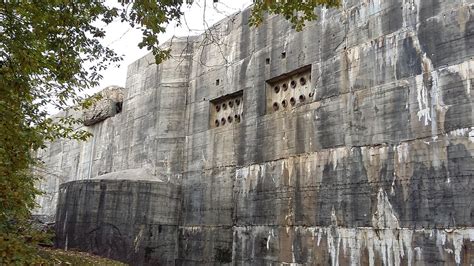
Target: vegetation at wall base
<point>72,257</point>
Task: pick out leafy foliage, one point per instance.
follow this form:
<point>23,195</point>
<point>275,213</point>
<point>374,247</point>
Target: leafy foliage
<point>297,12</point>
<point>45,48</point>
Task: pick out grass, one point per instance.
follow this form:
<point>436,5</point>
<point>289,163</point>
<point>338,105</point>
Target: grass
<point>70,257</point>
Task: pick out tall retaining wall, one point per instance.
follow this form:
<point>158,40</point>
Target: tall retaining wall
<point>365,156</point>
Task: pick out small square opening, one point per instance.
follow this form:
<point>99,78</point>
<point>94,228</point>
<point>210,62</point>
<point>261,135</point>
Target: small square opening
<point>283,55</point>
<point>267,61</point>
<point>218,82</point>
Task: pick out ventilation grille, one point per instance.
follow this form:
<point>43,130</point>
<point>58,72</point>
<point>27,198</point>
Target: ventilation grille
<point>226,110</point>
<point>290,90</point>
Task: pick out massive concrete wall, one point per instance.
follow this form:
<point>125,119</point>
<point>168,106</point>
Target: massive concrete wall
<point>147,135</point>
<point>129,220</point>
<point>118,193</point>
<point>375,166</point>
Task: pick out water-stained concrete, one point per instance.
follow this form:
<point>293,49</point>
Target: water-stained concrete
<point>375,168</point>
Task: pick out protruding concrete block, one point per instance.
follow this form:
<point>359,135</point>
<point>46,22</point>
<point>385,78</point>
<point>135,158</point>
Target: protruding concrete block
<point>107,106</point>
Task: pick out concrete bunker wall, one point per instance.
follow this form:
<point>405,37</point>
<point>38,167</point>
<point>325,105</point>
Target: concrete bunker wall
<point>374,166</point>
<point>147,136</point>
<point>362,170</point>
<point>128,220</point>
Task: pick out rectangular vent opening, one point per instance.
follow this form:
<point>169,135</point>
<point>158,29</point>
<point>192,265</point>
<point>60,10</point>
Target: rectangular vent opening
<point>290,90</point>
<point>226,110</point>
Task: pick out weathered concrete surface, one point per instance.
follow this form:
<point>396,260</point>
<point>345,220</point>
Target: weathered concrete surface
<point>390,131</point>
<point>109,104</point>
<point>378,201</point>
<point>131,221</point>
<point>148,134</point>
<point>377,168</point>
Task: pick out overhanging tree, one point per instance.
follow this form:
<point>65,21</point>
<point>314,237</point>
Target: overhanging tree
<point>45,47</point>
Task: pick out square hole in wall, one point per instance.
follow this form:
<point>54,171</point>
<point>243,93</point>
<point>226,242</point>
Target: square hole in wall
<point>283,55</point>
<point>289,90</point>
<point>226,110</point>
